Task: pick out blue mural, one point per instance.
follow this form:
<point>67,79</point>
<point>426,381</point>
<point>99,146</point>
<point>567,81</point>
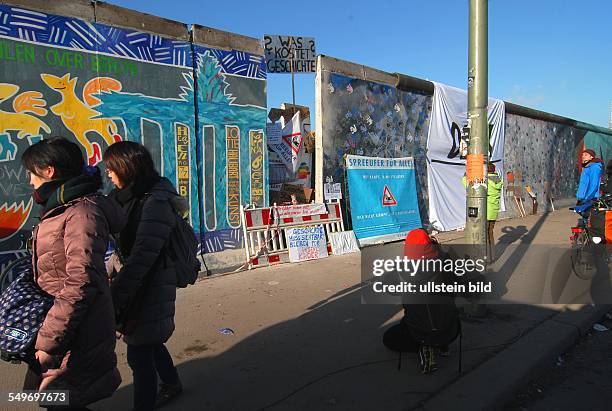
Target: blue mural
<point>200,111</point>
<point>43,28</point>
<point>216,109</point>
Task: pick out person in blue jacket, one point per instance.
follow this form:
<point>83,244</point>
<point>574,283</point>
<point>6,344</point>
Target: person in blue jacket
<point>588,187</point>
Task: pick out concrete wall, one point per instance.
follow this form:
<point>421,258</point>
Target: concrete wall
<point>97,73</point>
<point>541,154</point>
<point>368,117</point>
<point>360,111</point>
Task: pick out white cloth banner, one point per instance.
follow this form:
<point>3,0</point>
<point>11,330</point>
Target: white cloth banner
<point>343,242</point>
<point>445,166</point>
<point>291,143</point>
<point>299,210</point>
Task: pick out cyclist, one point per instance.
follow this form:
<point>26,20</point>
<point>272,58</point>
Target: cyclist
<point>588,187</point>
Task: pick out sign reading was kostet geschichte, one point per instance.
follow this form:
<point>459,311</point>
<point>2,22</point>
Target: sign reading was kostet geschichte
<point>289,54</point>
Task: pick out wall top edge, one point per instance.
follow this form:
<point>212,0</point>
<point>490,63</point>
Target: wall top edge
<point>81,9</point>
<point>414,84</point>
<point>355,70</point>
<point>113,15</point>
<point>209,36</point>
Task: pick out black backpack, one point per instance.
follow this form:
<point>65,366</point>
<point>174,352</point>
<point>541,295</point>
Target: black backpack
<point>183,251</point>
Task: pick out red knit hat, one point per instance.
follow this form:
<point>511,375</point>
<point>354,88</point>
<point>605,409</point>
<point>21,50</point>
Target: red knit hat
<point>589,151</point>
<point>418,245</point>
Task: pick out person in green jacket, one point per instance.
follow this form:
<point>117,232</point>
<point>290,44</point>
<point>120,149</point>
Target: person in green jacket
<point>494,189</point>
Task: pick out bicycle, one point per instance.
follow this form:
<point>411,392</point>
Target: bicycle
<point>587,248</point>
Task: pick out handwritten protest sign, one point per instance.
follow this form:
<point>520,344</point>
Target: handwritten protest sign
<point>300,210</point>
<point>282,52</point>
<point>306,243</point>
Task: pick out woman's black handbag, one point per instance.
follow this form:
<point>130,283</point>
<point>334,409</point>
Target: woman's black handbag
<point>23,308</point>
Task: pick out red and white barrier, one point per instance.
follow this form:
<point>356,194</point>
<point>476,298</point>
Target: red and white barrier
<point>264,235</point>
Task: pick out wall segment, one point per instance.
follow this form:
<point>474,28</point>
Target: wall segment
<point>97,73</point>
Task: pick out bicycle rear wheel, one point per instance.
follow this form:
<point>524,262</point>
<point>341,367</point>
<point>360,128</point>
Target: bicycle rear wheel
<point>583,257</point>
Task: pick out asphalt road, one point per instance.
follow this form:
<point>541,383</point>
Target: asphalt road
<point>579,380</point>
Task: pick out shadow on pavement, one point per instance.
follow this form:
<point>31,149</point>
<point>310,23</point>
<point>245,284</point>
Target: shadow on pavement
<point>331,356</point>
<point>509,235</point>
<point>504,272</point>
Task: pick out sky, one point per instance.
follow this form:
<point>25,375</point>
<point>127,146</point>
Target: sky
<point>550,55</point>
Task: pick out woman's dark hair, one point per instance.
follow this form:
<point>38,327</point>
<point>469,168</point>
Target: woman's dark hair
<point>130,161</point>
<point>63,155</point>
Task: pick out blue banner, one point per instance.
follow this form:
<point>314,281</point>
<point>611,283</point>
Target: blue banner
<point>383,198</point>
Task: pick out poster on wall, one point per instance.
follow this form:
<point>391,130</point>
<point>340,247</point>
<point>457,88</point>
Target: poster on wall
<point>306,243</point>
<point>446,166</point>
<point>383,198</point>
<point>332,191</point>
<point>274,133</point>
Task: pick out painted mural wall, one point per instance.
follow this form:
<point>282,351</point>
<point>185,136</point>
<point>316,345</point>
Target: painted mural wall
<point>200,111</point>
<point>367,118</point>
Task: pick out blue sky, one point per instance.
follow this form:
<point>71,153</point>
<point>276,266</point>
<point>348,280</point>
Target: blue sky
<point>551,55</point>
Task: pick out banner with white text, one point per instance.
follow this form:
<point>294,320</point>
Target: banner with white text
<point>383,198</point>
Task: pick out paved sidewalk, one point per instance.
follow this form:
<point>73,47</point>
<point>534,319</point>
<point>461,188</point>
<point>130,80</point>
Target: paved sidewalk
<point>303,340</point>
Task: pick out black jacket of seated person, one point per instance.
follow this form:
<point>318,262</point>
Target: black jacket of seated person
<point>429,319</point>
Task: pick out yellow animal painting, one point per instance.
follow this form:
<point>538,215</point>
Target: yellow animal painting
<point>26,125</point>
<point>79,116</point>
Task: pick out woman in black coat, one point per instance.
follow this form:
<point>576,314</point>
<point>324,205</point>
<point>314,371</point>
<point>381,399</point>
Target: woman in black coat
<point>144,281</point>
